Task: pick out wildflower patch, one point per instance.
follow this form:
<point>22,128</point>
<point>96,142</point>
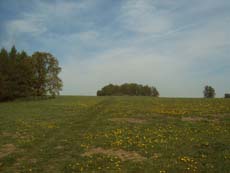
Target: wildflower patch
<point>121,154</point>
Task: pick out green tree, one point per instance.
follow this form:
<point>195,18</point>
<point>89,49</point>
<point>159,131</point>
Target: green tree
<point>7,70</point>
<point>24,75</point>
<point>53,82</point>
<point>40,72</point>
<point>46,74</point>
<point>99,93</point>
<point>209,92</point>
<point>13,53</point>
<point>3,74</point>
<point>227,95</point>
<point>154,92</point>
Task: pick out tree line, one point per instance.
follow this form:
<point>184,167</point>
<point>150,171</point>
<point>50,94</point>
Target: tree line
<point>209,92</point>
<point>131,89</point>
<point>22,75</point>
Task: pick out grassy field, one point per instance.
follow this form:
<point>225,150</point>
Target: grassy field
<point>115,134</point>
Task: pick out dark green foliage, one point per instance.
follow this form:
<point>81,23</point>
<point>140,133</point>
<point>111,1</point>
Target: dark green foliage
<point>209,92</point>
<point>227,95</point>
<point>131,89</point>
<point>22,75</point>
<point>5,93</point>
<point>13,53</point>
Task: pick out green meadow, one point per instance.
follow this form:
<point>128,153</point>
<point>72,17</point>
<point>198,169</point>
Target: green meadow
<point>115,134</point>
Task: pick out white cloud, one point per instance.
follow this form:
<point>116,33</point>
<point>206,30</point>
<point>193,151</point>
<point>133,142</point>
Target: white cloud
<point>45,15</point>
<point>28,25</point>
<point>88,35</point>
<point>144,17</point>
<point>203,41</point>
<point>62,9</point>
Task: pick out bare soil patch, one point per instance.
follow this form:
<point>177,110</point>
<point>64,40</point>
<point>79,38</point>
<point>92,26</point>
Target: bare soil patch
<point>6,150</point>
<point>7,134</point>
<point>130,120</point>
<point>59,147</point>
<point>195,119</point>
<point>218,116</point>
<point>122,154</point>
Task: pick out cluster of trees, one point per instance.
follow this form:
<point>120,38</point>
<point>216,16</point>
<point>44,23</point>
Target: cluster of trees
<point>22,75</point>
<point>131,89</point>
<point>209,92</point>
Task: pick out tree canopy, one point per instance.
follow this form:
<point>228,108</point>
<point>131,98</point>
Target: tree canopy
<point>209,92</point>
<point>131,89</point>
<point>227,95</point>
<point>22,75</point>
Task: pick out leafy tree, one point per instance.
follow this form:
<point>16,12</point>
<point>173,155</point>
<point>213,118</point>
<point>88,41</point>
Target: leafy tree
<point>24,75</point>
<point>13,53</point>
<point>40,72</point>
<point>125,89</point>
<point>46,74</point>
<point>53,82</point>
<point>227,95</point>
<point>18,74</point>
<point>5,89</point>
<point>99,93</point>
<point>154,92</point>
<point>209,92</point>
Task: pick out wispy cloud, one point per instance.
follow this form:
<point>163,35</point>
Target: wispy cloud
<point>145,17</point>
<point>27,25</point>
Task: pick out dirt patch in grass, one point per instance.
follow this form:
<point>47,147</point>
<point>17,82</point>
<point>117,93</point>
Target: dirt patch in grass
<point>130,120</point>
<point>165,117</point>
<point>59,147</point>
<point>7,134</point>
<point>122,154</point>
<point>6,150</point>
<point>195,119</point>
<point>218,116</point>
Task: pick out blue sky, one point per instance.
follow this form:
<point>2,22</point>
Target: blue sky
<point>178,46</point>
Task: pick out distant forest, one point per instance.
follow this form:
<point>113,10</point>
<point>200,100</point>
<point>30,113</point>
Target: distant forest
<point>22,75</point>
<point>131,89</point>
